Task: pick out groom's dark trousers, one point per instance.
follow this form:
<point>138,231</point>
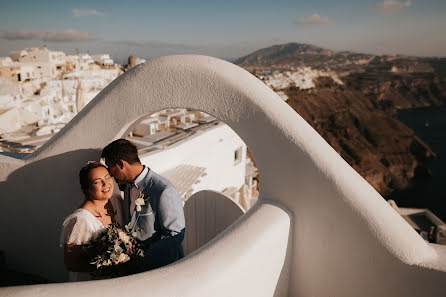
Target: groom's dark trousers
<point>159,252</point>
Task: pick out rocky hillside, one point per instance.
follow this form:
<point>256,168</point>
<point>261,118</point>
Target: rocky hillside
<point>292,55</point>
<point>353,101</point>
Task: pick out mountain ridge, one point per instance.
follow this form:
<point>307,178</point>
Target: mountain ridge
<point>292,55</point>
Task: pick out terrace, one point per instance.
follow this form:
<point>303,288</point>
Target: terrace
<point>318,228</point>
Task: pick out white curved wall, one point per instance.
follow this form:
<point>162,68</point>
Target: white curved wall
<point>212,149</point>
<point>344,238</point>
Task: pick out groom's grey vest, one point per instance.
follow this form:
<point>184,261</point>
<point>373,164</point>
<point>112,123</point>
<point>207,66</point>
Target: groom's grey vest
<point>162,215</point>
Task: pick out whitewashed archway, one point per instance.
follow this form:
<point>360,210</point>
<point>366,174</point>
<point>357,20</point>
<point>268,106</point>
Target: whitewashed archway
<point>319,228</point>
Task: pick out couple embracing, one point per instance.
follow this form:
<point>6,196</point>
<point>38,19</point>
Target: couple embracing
<point>151,207</point>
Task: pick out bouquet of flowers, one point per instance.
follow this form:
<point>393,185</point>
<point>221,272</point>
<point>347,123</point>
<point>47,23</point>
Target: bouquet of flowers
<point>111,249</point>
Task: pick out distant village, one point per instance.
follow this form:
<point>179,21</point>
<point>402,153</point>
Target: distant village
<point>42,90</point>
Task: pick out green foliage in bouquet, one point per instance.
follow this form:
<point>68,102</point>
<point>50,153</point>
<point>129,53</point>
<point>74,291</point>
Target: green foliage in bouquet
<point>113,252</point>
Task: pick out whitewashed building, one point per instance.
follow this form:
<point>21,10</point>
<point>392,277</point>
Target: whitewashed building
<point>48,63</point>
<point>103,59</point>
<point>59,58</point>
<point>9,92</point>
<point>85,61</point>
<point>211,158</point>
<point>72,63</point>
<point>5,61</point>
<point>26,72</point>
<point>17,55</point>
<point>147,127</point>
<point>16,71</point>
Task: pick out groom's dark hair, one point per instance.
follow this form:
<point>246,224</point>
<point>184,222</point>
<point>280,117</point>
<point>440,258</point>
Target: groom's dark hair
<point>120,149</point>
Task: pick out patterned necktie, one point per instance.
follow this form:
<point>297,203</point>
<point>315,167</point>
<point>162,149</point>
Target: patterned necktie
<point>125,203</point>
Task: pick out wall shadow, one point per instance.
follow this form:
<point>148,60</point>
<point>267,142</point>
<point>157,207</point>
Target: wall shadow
<point>36,198</point>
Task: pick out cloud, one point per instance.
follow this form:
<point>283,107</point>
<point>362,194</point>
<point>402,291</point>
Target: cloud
<point>62,36</point>
<point>86,12</point>
<point>315,19</point>
<point>392,6</point>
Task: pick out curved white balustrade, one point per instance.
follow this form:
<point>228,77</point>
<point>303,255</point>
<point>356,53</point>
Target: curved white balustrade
<point>344,238</point>
<point>249,268</point>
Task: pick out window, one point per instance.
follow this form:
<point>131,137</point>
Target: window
<point>237,156</point>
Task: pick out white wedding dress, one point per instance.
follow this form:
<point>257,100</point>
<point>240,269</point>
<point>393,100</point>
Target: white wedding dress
<point>79,228</point>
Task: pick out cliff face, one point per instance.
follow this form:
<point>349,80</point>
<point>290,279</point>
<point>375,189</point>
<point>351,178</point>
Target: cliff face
<point>379,147</point>
<point>358,118</point>
<point>392,91</point>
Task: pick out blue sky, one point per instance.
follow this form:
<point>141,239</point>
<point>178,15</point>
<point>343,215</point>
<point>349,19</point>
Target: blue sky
<point>226,29</point>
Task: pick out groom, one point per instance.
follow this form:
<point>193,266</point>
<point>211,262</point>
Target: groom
<point>157,216</point>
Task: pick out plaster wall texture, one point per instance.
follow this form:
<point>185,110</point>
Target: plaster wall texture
<point>212,149</point>
<point>28,72</point>
<point>343,239</point>
<point>41,58</point>
<point>10,120</point>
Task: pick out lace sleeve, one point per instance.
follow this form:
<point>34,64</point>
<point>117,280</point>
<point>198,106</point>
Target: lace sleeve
<point>75,231</point>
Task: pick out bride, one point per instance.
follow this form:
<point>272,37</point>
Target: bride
<point>87,222</point>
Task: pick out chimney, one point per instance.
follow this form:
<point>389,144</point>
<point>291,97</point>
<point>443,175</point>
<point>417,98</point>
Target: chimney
<point>132,61</point>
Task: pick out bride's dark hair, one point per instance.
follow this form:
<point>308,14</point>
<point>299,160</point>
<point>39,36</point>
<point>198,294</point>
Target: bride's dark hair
<point>84,179</point>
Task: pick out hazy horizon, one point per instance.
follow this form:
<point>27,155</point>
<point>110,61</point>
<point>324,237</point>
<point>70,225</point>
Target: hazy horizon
<point>227,30</point>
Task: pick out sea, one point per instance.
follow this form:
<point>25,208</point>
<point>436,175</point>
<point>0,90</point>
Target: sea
<point>429,192</point>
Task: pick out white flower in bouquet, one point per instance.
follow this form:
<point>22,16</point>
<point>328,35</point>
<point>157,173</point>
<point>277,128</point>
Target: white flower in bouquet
<point>124,237</point>
<point>128,227</point>
<point>114,257</point>
<point>118,248</point>
<point>123,258</point>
